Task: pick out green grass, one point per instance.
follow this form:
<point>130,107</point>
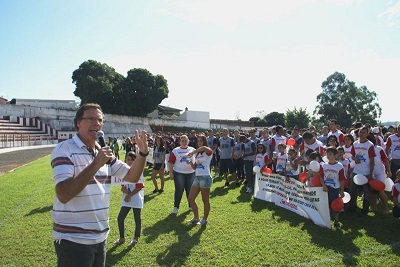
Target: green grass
<point>242,231</point>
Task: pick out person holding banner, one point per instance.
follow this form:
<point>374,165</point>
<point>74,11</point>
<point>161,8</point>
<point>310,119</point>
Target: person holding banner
<point>132,198</point>
<point>262,159</point>
<point>281,159</point>
<point>82,171</point>
<point>332,180</point>
<point>292,164</point>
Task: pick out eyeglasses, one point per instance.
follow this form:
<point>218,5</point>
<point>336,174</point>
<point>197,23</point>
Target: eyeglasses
<point>93,120</point>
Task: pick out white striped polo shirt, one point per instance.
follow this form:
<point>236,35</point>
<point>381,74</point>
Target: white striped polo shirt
<point>83,219</point>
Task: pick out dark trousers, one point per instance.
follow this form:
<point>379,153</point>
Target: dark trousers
<point>393,169</point>
<point>353,191</point>
<point>182,182</point>
<point>71,254</point>
<point>121,221</point>
<point>248,168</point>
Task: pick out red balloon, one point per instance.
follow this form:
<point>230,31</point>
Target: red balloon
<point>291,142</point>
<point>337,204</point>
<point>316,181</point>
<point>267,170</point>
<point>303,177</point>
<point>377,185</point>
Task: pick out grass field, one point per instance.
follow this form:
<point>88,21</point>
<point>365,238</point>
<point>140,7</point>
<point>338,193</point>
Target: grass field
<point>242,231</point>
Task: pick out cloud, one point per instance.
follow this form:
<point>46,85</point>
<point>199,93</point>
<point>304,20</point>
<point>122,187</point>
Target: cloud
<point>392,13</point>
<point>228,14</point>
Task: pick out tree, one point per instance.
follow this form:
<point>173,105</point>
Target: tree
<point>95,82</point>
<point>299,117</point>
<point>261,123</point>
<point>254,119</point>
<point>136,95</point>
<point>342,100</point>
<point>140,93</point>
<point>275,118</point>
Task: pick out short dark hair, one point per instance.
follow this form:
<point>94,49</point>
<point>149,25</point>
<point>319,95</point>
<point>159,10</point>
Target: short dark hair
<point>82,109</point>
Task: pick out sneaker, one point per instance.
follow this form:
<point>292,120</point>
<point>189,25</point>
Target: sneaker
<point>160,191</point>
<point>202,222</point>
<point>175,210</point>
<point>336,224</point>
<point>119,242</point>
<point>248,190</point>
<point>193,221</point>
<point>155,191</point>
<point>133,242</point>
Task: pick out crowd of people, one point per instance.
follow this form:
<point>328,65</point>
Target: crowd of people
<point>82,171</point>
<point>371,151</point>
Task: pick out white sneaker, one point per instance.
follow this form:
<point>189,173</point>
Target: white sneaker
<point>175,210</point>
<point>194,221</point>
<point>133,242</point>
<point>202,221</point>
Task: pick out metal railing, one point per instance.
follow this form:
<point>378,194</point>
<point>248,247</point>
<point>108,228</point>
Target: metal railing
<point>19,140</point>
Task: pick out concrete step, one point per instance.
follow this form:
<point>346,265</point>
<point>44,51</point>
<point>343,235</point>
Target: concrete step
<point>17,129</point>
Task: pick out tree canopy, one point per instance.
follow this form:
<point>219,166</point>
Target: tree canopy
<point>299,117</point>
<point>137,94</point>
<point>342,100</point>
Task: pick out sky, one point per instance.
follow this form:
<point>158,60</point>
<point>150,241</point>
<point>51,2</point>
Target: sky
<point>235,59</point>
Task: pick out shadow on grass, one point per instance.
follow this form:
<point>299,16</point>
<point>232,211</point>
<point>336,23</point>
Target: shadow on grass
<point>219,191</point>
<point>40,210</point>
<point>112,259</point>
<point>176,253</point>
<point>342,241</point>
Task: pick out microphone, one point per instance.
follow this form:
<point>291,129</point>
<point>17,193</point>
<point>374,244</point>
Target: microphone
<point>100,136</point>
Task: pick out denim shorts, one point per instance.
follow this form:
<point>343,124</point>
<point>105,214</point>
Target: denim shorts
<point>203,181</point>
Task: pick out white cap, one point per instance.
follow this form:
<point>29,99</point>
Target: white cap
<point>375,130</point>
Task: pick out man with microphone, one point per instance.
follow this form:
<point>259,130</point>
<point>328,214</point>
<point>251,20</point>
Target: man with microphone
<point>82,171</point>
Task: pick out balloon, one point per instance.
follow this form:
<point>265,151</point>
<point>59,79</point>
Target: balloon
<point>303,177</point>
<point>316,181</point>
<point>256,169</point>
<point>337,204</point>
<point>267,170</point>
<point>346,197</point>
<point>377,185</point>
<point>388,184</point>
<point>314,166</point>
<point>360,179</point>
<point>291,142</point>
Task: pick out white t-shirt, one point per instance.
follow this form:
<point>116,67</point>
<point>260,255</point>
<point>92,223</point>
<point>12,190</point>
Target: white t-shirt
<point>203,161</point>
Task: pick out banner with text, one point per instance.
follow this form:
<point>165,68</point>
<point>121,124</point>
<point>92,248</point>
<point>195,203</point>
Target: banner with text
<point>309,202</point>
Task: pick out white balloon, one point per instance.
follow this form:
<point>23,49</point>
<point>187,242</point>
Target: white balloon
<point>256,169</point>
<point>388,184</point>
<point>346,197</point>
<point>360,179</point>
<point>314,166</point>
